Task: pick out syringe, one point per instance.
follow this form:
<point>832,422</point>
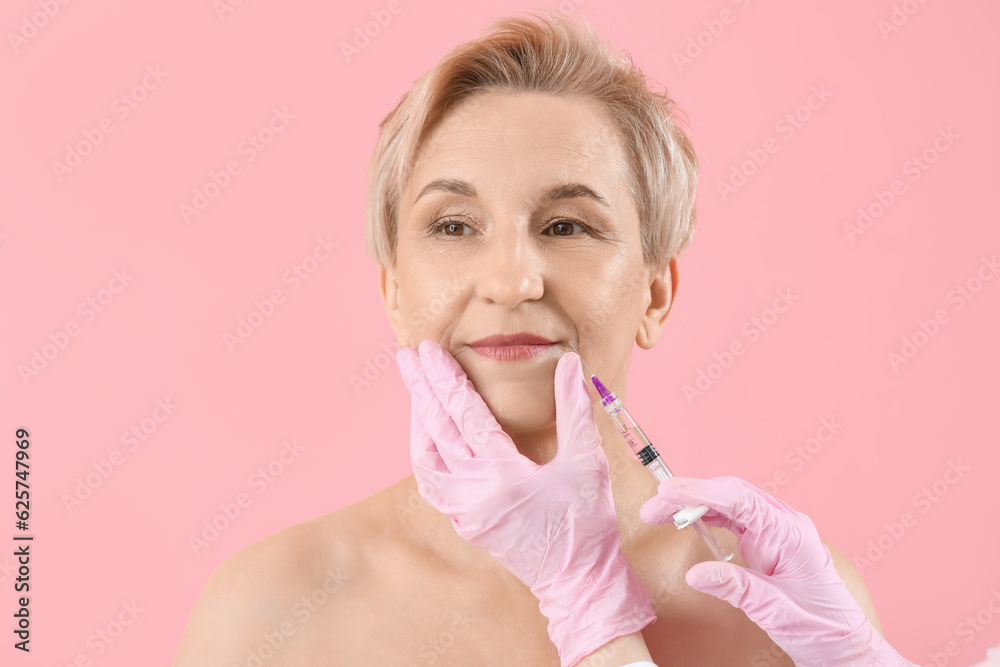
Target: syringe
<point>650,458</point>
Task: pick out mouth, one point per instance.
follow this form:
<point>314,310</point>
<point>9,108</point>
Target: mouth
<point>516,347</point>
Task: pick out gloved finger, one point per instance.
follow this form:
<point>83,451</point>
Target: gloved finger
<point>423,451</point>
<point>476,425</point>
<point>669,499</point>
<point>437,423</point>
<point>778,532</point>
<point>432,485</point>
<point>737,585</point>
<point>429,468</point>
<point>575,425</point>
<point>742,506</point>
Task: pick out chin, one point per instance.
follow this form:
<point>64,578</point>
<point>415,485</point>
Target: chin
<point>523,414</point>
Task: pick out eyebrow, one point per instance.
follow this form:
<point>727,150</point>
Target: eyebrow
<point>465,189</point>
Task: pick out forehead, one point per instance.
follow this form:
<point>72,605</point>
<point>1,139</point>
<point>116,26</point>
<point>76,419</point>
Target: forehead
<point>526,142</point>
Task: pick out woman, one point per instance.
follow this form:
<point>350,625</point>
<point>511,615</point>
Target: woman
<point>530,185</point>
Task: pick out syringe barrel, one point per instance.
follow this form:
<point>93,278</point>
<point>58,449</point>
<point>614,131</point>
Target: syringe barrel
<point>634,436</point>
<point>650,458</point>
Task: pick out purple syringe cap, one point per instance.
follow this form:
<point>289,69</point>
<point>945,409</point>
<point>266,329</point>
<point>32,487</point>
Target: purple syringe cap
<point>601,389</point>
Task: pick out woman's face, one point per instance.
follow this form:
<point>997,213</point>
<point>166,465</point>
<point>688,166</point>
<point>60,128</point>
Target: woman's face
<point>518,219</point>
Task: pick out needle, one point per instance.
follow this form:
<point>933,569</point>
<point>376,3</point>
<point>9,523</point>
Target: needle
<point>581,359</point>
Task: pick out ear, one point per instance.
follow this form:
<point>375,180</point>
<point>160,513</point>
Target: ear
<point>389,289</point>
<point>662,291</point>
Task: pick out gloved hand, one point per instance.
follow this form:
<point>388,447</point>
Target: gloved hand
<point>791,589</point>
<point>552,526</point>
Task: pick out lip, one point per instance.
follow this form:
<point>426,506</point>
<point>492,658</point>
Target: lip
<point>499,340</point>
<point>515,347</point>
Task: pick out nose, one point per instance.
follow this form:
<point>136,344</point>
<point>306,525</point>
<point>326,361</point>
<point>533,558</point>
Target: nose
<point>512,269</point>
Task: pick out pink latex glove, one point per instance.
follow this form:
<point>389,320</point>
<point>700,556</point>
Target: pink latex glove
<point>791,589</point>
<point>552,526</point>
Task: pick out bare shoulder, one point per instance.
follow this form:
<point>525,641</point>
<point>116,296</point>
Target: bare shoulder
<point>855,584</point>
<point>257,601</point>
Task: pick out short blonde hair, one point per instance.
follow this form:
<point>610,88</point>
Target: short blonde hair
<point>552,55</point>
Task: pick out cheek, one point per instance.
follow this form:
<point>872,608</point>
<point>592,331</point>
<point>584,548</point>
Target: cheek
<point>429,302</point>
<point>606,304</point>
<point>607,317</point>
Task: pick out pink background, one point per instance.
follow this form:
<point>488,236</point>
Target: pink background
<point>162,335</point>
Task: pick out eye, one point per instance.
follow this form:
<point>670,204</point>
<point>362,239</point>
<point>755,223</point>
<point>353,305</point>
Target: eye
<point>564,225</point>
<point>449,227</point>
<point>456,229</point>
